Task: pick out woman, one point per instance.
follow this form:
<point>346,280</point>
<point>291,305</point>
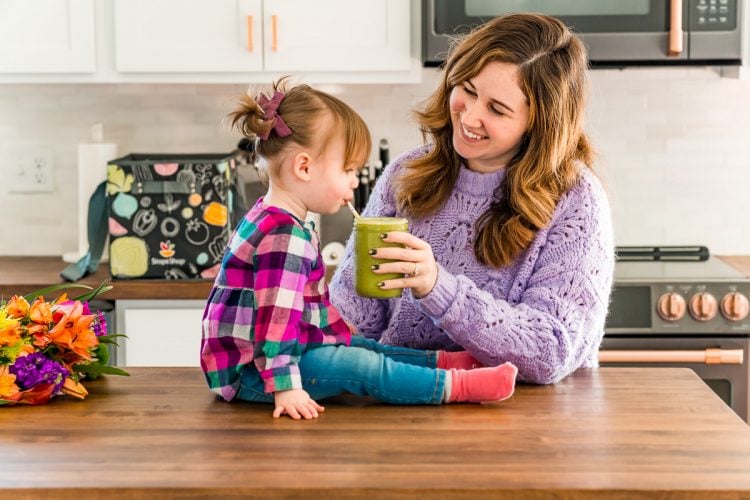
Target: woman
<point>511,254</point>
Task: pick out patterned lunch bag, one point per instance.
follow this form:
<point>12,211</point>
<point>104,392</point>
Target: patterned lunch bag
<point>171,216</point>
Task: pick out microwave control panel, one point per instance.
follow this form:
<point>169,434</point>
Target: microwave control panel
<point>713,15</point>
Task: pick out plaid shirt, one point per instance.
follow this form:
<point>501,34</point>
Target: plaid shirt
<point>269,304</point>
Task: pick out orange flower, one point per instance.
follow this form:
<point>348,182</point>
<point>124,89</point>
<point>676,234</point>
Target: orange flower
<point>73,331</point>
<point>17,307</point>
<point>26,349</point>
<point>8,387</point>
<point>35,329</point>
<point>40,339</point>
<point>75,389</point>
<point>41,312</point>
<point>10,329</point>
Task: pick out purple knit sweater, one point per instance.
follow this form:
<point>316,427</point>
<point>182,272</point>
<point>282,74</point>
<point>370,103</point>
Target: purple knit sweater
<point>544,312</point>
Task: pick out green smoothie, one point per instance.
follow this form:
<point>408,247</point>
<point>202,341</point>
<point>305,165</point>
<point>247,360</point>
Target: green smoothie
<point>367,231</point>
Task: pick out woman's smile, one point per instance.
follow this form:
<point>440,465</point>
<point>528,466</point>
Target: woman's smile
<point>471,136</point>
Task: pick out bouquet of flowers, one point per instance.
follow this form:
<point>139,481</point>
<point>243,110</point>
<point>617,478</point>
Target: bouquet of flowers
<point>46,348</point>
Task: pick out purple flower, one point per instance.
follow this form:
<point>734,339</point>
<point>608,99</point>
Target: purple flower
<point>99,325</point>
<point>36,369</point>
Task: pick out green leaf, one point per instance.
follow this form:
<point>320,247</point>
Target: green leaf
<point>94,370</point>
<point>110,338</point>
<point>102,354</point>
<point>60,286</point>
<point>104,286</point>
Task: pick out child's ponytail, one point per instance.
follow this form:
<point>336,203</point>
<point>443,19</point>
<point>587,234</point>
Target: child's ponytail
<point>249,119</point>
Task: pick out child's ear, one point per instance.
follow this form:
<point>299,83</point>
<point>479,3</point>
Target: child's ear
<point>301,166</point>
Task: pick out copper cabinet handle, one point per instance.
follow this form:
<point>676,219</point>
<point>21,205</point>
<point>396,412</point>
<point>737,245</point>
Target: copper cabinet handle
<point>707,356</point>
<point>249,33</point>
<point>675,28</point>
<point>274,37</point>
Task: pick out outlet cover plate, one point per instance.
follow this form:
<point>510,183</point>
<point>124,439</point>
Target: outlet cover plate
<point>30,170</point>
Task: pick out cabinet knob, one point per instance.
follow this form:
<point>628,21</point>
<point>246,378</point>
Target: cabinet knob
<point>274,33</point>
<point>249,33</point>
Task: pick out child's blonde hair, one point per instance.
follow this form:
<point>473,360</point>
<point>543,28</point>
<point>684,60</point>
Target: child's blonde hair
<point>301,109</point>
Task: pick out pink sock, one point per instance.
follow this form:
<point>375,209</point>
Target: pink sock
<point>483,384</point>
<point>459,359</point>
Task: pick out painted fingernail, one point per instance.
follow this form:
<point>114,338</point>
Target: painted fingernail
<point>375,267</point>
<point>381,284</point>
<point>383,236</point>
<point>372,251</point>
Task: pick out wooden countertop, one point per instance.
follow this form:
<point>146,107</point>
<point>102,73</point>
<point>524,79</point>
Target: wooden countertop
<point>626,432</point>
<point>740,262</point>
<point>20,275</point>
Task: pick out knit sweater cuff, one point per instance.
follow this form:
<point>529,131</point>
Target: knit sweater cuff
<point>436,303</point>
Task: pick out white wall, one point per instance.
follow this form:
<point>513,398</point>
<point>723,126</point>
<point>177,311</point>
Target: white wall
<point>673,147</point>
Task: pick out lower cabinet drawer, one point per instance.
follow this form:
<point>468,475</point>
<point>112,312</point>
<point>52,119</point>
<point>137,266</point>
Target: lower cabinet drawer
<point>160,332</point>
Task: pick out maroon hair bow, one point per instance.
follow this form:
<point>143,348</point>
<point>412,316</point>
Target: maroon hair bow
<point>269,107</point>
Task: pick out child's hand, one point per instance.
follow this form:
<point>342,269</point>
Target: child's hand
<point>294,403</point>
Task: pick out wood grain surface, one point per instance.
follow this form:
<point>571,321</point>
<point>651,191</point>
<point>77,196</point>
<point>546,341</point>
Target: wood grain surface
<point>21,275</point>
<point>620,432</point>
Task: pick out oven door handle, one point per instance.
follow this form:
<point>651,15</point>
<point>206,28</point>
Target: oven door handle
<point>710,356</point>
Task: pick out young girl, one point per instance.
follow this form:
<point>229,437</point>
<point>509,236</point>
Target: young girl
<point>270,333</point>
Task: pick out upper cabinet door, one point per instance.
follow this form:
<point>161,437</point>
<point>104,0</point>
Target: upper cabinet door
<point>194,36</point>
<point>47,36</point>
<point>337,35</point>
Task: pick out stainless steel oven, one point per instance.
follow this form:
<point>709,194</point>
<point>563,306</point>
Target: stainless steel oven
<point>615,32</point>
<point>687,314</point>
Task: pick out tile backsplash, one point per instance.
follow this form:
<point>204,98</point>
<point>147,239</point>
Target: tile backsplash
<point>672,146</point>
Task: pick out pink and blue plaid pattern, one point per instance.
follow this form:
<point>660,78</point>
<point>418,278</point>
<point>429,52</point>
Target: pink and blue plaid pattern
<point>269,304</point>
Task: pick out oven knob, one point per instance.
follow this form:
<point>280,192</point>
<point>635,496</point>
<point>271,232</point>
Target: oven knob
<point>735,306</point>
<point>703,306</point>
<point>671,306</point>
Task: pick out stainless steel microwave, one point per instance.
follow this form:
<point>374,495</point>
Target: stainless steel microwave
<point>616,32</point>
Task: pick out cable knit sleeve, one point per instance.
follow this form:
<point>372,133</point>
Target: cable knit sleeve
<point>370,316</point>
<point>552,321</point>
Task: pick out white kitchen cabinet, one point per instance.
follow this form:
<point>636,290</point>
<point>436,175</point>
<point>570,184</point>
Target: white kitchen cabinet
<point>47,36</point>
<point>244,36</point>
<point>159,332</point>
<point>174,36</point>
<point>336,35</point>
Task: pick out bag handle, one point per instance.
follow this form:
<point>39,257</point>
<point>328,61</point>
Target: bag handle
<point>97,233</point>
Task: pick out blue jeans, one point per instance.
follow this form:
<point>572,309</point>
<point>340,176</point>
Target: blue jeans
<point>391,374</point>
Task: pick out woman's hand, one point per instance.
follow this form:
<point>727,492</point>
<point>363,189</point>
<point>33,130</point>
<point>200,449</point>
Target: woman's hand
<point>416,261</point>
<point>296,403</point>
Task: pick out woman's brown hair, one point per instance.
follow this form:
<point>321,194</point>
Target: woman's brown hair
<point>552,66</point>
<point>302,109</point>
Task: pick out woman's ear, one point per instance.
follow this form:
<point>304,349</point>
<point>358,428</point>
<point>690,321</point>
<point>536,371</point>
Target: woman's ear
<point>301,165</point>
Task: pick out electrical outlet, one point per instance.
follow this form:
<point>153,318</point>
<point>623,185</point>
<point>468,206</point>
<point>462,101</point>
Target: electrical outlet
<point>31,170</point>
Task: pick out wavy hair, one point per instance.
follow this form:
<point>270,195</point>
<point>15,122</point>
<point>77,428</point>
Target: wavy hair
<point>552,65</point>
<point>302,109</point>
